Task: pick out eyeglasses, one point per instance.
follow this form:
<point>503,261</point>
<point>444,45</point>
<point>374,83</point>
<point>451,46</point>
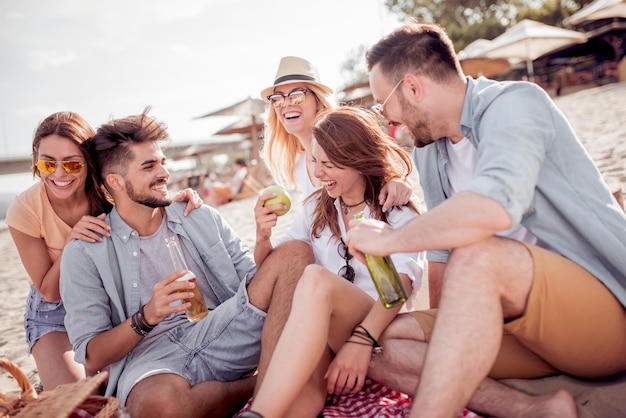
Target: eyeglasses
<point>49,167</point>
<point>347,272</point>
<point>380,108</point>
<point>296,97</point>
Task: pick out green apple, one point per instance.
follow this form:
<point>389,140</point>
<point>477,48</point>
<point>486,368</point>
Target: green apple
<point>282,196</point>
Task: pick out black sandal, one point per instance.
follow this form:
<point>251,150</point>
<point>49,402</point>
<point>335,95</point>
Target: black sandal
<point>250,414</point>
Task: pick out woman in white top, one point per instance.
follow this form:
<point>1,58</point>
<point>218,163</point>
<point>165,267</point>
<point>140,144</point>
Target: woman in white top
<point>328,340</point>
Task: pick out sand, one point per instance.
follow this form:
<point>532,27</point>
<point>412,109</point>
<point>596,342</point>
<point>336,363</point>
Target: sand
<point>598,116</point>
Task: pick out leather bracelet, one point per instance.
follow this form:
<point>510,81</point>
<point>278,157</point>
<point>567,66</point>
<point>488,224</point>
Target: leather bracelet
<point>135,327</point>
<point>142,318</point>
<point>139,324</point>
<point>363,334</point>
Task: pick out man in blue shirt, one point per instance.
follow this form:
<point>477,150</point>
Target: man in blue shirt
<point>124,303</point>
<point>524,237</point>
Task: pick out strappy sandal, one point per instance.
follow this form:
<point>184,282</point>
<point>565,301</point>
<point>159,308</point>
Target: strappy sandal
<point>250,414</point>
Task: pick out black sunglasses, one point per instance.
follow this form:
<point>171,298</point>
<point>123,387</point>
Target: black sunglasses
<point>347,272</point>
<point>296,96</point>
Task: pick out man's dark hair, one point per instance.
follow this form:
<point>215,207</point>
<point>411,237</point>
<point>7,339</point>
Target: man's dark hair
<point>418,49</point>
<point>111,146</point>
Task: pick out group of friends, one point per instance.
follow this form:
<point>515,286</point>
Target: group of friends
<point>522,240</point>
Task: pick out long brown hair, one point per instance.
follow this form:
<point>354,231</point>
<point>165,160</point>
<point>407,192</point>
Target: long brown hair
<point>73,127</point>
<point>353,138</point>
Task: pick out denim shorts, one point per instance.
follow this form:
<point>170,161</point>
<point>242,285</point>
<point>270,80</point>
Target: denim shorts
<point>41,317</point>
<point>224,346</point>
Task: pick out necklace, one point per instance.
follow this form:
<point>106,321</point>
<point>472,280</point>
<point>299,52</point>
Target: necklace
<point>346,208</point>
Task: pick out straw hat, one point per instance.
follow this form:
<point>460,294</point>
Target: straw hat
<point>293,70</point>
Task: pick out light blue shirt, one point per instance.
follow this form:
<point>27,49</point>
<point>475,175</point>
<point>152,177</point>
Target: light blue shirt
<point>532,163</point>
<point>100,281</point>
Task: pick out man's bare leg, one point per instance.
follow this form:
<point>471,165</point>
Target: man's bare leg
<point>435,277</point>
<point>287,263</point>
<point>400,366</point>
<point>478,279</point>
<point>168,395</point>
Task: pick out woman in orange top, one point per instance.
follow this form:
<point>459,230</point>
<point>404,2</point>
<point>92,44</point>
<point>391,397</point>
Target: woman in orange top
<point>66,204</point>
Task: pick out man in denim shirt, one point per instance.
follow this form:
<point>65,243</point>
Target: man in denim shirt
<point>123,302</point>
<point>534,280</point>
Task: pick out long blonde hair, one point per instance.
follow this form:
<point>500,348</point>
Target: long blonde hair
<point>282,149</point>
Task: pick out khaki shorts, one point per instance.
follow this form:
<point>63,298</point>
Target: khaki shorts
<point>573,324</point>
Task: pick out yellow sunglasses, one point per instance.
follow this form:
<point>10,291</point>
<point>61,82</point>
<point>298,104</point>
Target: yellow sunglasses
<point>70,167</point>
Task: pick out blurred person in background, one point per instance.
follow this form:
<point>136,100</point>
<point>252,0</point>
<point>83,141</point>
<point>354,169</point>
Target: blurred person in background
<point>218,193</point>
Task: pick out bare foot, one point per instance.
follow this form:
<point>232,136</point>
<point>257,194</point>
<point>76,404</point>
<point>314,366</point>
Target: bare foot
<point>555,405</point>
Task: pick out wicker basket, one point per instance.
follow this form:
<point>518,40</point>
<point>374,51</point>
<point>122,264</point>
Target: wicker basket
<point>72,399</point>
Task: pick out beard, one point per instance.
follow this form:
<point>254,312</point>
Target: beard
<point>416,120</point>
<point>147,200</point>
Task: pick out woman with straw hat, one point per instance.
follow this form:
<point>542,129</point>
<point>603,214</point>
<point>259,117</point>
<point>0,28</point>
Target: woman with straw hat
<point>296,97</point>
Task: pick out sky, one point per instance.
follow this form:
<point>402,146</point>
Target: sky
<point>110,59</point>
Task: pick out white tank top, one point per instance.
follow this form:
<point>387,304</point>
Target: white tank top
<point>461,168</point>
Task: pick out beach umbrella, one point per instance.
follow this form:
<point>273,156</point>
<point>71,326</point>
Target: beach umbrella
<point>357,93</point>
<point>529,40</point>
<point>246,107</point>
<point>475,49</point>
<point>487,67</point>
<point>475,63</point>
<point>599,9</point>
<point>250,111</point>
<point>242,126</point>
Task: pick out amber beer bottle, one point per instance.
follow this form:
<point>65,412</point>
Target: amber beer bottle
<point>198,309</point>
<point>385,277</point>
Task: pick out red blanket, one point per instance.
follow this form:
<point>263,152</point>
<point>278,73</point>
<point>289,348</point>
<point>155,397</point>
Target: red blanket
<point>374,401</point>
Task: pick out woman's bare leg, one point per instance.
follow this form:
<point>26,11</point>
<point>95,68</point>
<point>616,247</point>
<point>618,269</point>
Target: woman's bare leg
<point>55,360</point>
<point>323,304</point>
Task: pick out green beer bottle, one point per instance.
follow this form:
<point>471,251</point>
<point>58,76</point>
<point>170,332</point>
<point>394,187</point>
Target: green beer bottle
<point>385,277</point>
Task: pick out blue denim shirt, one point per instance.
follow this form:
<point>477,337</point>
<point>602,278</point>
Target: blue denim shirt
<point>532,163</point>
<point>100,280</point>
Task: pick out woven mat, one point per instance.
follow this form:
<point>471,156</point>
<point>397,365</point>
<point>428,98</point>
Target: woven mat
<point>63,400</point>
